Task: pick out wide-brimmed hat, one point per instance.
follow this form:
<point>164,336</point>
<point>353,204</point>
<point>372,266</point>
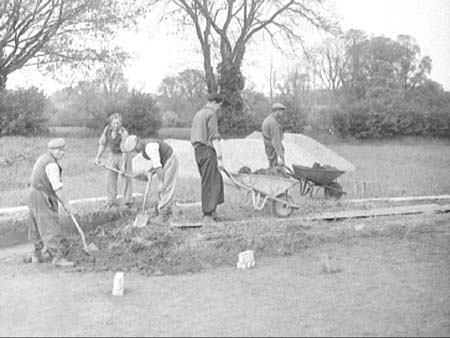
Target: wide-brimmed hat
<point>56,143</point>
<point>130,143</point>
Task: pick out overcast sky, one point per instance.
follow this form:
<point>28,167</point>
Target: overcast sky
<point>157,53</point>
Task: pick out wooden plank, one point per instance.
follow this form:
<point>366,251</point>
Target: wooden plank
<point>188,205</point>
<point>186,225</point>
<point>405,210</point>
<point>401,199</point>
<point>22,208</point>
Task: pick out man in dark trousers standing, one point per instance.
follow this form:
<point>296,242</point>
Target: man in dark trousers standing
<point>208,155</point>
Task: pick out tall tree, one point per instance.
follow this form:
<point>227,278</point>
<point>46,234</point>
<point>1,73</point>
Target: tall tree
<point>39,32</point>
<point>235,23</point>
<point>184,93</point>
<point>329,61</point>
<point>413,68</point>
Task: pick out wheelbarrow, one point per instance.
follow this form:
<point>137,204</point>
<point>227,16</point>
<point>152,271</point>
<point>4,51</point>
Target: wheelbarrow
<point>266,188</point>
<point>309,178</point>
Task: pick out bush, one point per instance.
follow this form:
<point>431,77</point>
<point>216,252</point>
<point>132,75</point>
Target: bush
<point>175,133</point>
<point>141,115</point>
<point>171,119</point>
<point>386,119</point>
<point>256,105</point>
<point>22,112</point>
<point>232,125</point>
<point>294,119</point>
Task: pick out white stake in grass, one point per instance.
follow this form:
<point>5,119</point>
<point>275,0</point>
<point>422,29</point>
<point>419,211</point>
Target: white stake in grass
<point>246,259</point>
<point>119,284</point>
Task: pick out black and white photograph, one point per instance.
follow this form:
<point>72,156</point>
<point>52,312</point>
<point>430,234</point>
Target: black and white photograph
<point>225,168</point>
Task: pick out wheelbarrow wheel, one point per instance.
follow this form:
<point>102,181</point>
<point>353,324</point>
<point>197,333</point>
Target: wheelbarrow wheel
<point>280,209</point>
<point>333,191</point>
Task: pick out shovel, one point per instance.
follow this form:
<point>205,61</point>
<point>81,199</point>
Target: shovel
<point>86,248</point>
<point>142,217</point>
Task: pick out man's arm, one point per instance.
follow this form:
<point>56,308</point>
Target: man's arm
<point>125,155</point>
<point>152,152</point>
<point>213,127</point>
<point>101,146</point>
<point>63,200</point>
<point>52,172</point>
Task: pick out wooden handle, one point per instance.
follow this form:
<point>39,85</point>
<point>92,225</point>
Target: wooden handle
<point>146,192</point>
<point>80,231</point>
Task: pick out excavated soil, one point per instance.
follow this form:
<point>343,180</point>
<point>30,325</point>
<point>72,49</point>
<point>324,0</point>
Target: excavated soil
<point>159,249</point>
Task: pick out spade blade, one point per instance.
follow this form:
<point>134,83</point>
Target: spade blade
<point>140,220</point>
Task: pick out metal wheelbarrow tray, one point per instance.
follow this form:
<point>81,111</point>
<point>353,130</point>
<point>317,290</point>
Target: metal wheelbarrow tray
<point>322,177</point>
<point>265,188</point>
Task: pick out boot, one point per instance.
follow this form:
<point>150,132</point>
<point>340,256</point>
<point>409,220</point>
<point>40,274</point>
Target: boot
<point>36,257</point>
<point>39,256</point>
<point>62,262</point>
<point>208,220</point>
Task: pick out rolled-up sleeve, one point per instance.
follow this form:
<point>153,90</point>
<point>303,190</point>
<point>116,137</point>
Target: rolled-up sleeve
<point>53,174</point>
<point>152,151</point>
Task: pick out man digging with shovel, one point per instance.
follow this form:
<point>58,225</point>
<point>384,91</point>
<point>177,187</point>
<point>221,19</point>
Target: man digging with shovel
<point>156,157</point>
<point>46,190</point>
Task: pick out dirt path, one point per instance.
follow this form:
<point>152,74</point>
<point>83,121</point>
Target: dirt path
<point>387,287</point>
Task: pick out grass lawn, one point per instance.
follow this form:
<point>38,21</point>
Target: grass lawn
<point>414,167</point>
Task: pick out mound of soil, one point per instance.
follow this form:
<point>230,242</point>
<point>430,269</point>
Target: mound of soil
<point>152,250</point>
<point>159,249</point>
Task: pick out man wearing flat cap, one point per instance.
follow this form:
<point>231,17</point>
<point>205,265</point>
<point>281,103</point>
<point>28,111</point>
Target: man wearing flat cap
<point>208,155</point>
<point>156,157</point>
<point>273,135</point>
<point>46,190</point>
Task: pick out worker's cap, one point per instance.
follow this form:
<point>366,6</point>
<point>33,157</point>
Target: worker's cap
<point>130,143</point>
<point>56,143</point>
<point>278,106</point>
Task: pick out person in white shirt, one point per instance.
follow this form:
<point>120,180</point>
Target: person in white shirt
<point>46,190</point>
<point>156,157</point>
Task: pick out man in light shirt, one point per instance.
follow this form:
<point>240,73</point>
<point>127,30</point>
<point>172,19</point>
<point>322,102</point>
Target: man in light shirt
<point>157,157</point>
<point>45,193</point>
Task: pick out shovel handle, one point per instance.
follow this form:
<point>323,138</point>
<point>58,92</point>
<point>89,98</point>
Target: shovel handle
<point>147,188</point>
<point>83,238</point>
<point>113,169</point>
<point>80,231</point>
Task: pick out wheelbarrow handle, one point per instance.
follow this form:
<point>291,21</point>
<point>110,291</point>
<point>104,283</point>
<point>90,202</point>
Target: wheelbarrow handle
<point>289,170</point>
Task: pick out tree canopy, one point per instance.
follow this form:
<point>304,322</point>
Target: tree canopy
<point>43,32</point>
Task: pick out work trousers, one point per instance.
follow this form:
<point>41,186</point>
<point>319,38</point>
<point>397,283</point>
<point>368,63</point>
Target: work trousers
<point>271,155</point>
<point>44,229</point>
<point>167,193</point>
<point>115,160</point>
<point>212,181</point>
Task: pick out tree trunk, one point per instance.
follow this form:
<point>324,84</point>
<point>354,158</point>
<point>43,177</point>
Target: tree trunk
<point>209,71</point>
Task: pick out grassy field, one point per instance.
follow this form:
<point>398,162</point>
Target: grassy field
<point>390,275</point>
<point>413,167</point>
